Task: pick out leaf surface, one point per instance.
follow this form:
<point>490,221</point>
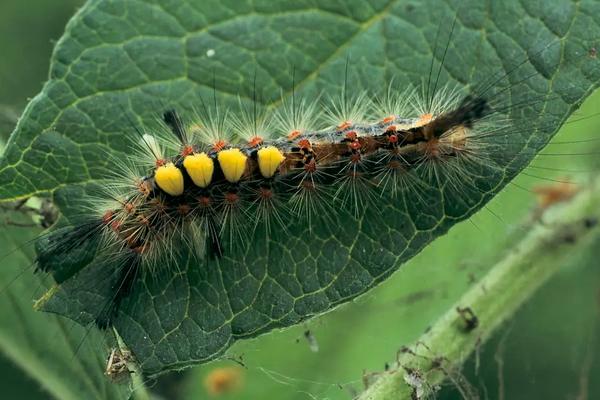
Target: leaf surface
<point>65,358</point>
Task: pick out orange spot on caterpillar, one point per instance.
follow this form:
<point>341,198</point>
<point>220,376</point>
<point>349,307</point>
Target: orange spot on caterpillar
<point>344,125</point>
<point>255,141</point>
<point>351,135</point>
<point>204,201</point>
<point>219,145</point>
<point>311,166</point>
<point>391,128</point>
<point>222,381</point>
<point>129,208</point>
<point>231,198</point>
<point>115,226</point>
<point>187,150</point>
<point>393,138</point>
<point>293,134</point>
<point>425,119</point>
<point>107,217</point>
<point>160,163</point>
<point>389,119</point>
<point>355,145</point>
<point>304,144</point>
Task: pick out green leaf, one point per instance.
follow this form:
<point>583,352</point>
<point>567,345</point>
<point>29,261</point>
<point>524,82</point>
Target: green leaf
<point>120,57</point>
<point>65,358</point>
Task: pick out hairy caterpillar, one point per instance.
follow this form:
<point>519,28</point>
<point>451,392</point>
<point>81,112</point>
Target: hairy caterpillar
<point>212,186</point>
<point>355,163</point>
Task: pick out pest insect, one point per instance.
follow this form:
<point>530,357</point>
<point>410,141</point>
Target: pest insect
<point>204,194</point>
<point>225,205</point>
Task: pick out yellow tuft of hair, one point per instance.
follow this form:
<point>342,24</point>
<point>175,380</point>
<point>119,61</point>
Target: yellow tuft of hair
<point>269,159</point>
<point>170,179</point>
<point>200,168</point>
<point>233,164</point>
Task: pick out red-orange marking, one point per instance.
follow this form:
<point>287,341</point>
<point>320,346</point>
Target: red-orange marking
<point>204,201</point>
<point>425,118</point>
<point>344,125</point>
<point>255,141</point>
<point>107,217</point>
<point>355,145</point>
<point>115,226</point>
<point>391,128</point>
<point>304,144</point>
<point>311,166</point>
<point>231,197</point>
<point>187,150</point>
<point>293,134</point>
<point>389,119</point>
<point>129,208</point>
<point>161,163</point>
<point>351,135</point>
<point>219,145</point>
<point>393,138</point>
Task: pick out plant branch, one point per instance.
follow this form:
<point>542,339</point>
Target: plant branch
<point>440,352</point>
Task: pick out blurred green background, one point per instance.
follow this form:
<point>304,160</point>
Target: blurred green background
<point>548,351</point>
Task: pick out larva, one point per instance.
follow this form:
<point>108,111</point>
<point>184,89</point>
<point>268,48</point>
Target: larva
<point>223,185</point>
<point>212,185</point>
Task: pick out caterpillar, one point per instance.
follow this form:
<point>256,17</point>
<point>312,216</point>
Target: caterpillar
<point>212,184</point>
<point>221,184</point>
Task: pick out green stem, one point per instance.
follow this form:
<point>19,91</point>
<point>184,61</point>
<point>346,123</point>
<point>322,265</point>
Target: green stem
<point>443,349</point>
